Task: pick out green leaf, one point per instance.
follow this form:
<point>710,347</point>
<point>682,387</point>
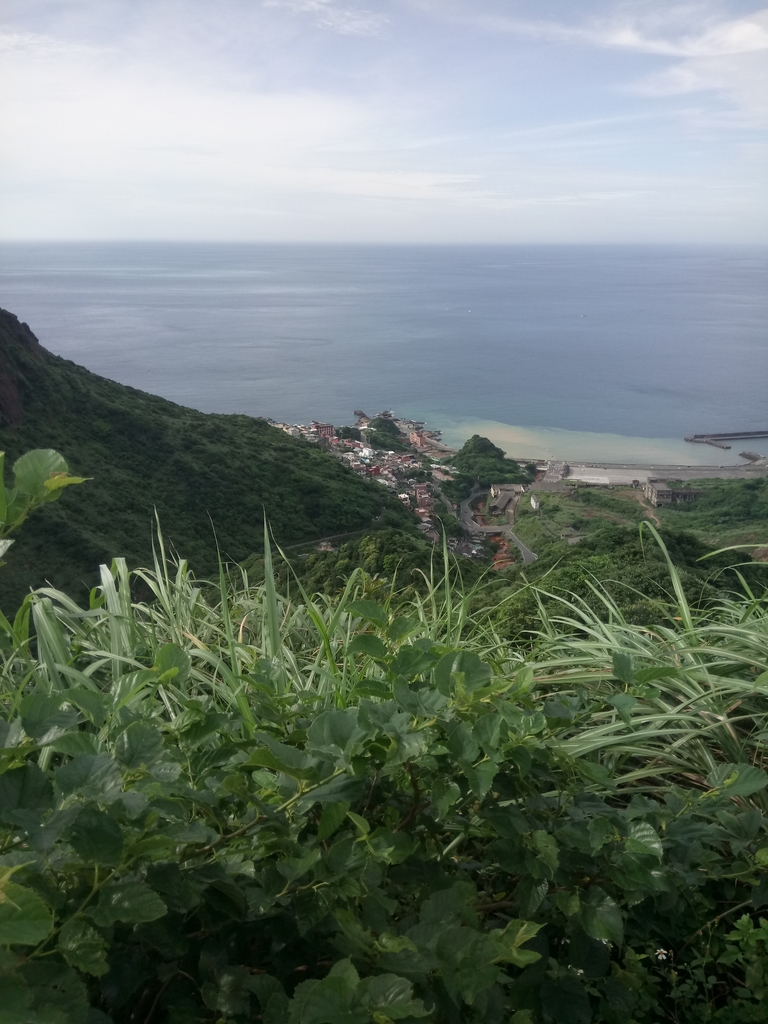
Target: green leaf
<point>622,667</point>
<point>367,643</point>
<point>82,947</point>
<point>738,779</point>
<point>601,918</point>
<point>462,669</point>
<point>565,708</point>
<point>391,995</point>
<point>410,662</point>
<point>334,731</point>
<point>332,817</point>
<point>546,848</point>
<point>140,745</point>
<point>43,720</point>
<point>35,467</point>
<point>444,795</point>
<point>507,943</point>
<point>481,777</point>
<point>173,663</point>
<point>128,901</point>
<point>370,611</point>
<point>97,837</point>
<point>624,704</point>
<point>25,788</point>
<point>24,919</point>
<point>359,822</point>
<point>565,1001</point>
<point>93,775</point>
<point>325,1002</point>
<point>293,868</point>
<point>59,996</point>
<point>72,743</point>
<point>89,702</point>
<point>644,839</point>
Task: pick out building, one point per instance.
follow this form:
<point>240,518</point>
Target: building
<point>502,494</point>
<point>323,430</point>
<point>535,503</point>
<point>659,493</point>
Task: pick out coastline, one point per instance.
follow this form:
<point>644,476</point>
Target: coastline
<point>543,443</point>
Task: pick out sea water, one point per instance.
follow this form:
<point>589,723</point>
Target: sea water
<point>580,352</point>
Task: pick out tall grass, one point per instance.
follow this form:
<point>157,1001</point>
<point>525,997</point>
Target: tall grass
<point>675,700</point>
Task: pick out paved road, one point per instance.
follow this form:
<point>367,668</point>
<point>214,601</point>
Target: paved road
<point>471,526</point>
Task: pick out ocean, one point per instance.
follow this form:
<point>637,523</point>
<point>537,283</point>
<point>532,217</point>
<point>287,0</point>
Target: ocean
<point>600,353</point>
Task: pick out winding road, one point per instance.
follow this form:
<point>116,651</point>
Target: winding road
<point>472,526</point>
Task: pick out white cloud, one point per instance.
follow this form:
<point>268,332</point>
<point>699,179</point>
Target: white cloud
<point>283,132</point>
<point>351,21</point>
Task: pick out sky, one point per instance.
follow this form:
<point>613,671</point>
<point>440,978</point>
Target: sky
<point>395,121</point>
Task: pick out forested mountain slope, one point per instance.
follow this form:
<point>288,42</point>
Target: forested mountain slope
<point>200,471</point>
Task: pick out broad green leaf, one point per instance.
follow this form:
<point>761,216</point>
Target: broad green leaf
<point>564,708</point>
<point>410,662</point>
<point>25,788</point>
<point>367,643</point>
<point>738,779</point>
<point>173,663</point>
<point>128,901</point>
<point>24,919</point>
<point>334,731</point>
<point>293,868</point>
<point>231,993</point>
<point>644,839</point>
<point>35,467</point>
<point>601,917</point>
<point>97,837</point>
<point>359,822</point>
<point>332,817</point>
<point>370,611</point>
<point>624,704</point>
<point>59,995</point>
<point>140,745</point>
<point>392,996</point>
<point>93,775</point>
<point>90,702</point>
<point>43,719</point>
<point>326,1002</point>
<point>481,777</point>
<point>83,947</point>
<point>462,669</point>
<point>72,743</point>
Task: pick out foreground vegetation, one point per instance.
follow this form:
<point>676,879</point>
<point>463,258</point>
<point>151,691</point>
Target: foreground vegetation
<point>228,803</point>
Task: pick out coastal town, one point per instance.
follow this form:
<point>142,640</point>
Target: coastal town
<point>414,463</point>
<point>413,468</point>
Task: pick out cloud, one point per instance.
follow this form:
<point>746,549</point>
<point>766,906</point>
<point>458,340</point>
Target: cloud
<point>346,20</point>
<point>665,31</point>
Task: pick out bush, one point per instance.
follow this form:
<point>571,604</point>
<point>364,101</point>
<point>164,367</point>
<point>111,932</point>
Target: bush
<point>349,811</point>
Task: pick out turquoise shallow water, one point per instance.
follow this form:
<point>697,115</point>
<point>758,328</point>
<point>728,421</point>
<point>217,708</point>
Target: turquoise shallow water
<point>581,352</point>
<point>587,446</point>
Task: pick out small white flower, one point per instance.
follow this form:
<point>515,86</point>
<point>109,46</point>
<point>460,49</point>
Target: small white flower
<point>662,954</point>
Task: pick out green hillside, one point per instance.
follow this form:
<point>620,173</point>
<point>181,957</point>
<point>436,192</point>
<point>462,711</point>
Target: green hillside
<point>199,471</point>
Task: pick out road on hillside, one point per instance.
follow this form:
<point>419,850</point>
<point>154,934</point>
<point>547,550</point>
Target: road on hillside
<point>472,526</point>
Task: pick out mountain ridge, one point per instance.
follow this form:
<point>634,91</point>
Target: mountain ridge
<point>201,472</point>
